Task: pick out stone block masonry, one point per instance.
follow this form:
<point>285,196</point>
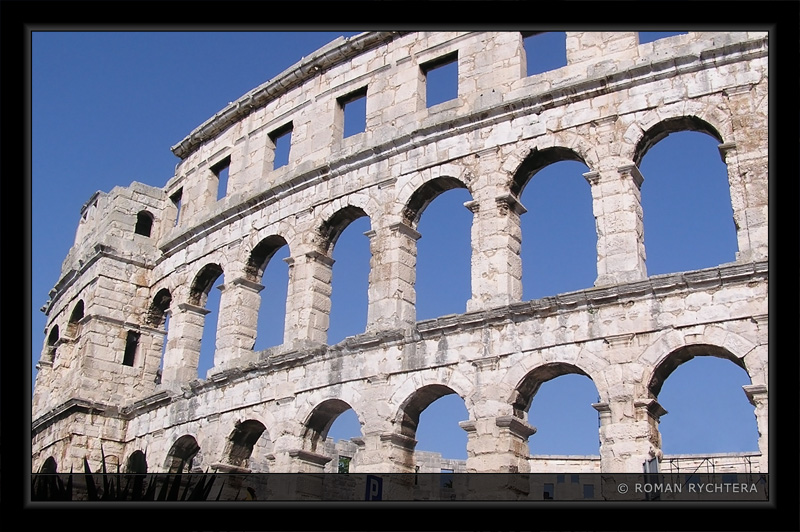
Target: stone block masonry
<point>132,266</point>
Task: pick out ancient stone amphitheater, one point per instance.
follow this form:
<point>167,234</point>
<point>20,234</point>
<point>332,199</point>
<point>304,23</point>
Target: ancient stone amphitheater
<point>143,253</point>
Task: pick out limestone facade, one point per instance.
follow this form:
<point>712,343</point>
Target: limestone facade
<point>142,253</point>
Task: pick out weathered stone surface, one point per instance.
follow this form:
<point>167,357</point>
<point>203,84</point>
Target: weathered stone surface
<point>99,381</point>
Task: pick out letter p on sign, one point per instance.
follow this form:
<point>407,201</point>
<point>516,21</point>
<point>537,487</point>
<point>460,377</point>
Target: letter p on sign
<point>374,488</point>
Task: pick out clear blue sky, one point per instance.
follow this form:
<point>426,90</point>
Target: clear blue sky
<point>108,106</point>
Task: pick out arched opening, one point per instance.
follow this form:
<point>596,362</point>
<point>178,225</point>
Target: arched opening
<point>74,326</point>
<point>441,433</point>
<point>267,265</point>
<point>319,422</point>
<point>48,467</point>
<point>438,430</point>
<point>205,293</point>
<point>329,431</point>
<point>52,342</point>
<point>157,313</point>
<point>686,202</point>
<point>181,455</point>
<point>344,241</point>
<point>558,399</point>
<point>559,237</point>
<point>241,442</point>
<point>340,440</point>
<point>444,251</point>
<point>158,316</point>
<point>700,387</point>
<point>144,223</point>
<point>137,463</point>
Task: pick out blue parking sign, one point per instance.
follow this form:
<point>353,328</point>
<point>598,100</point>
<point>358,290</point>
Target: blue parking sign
<point>374,490</point>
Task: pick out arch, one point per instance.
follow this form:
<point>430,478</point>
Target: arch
<point>526,389</point>
<point>74,326</point>
<point>538,159</point>
<point>682,355</point>
<point>181,455</point>
<point>407,417</point>
<point>136,463</point>
<point>559,236</point>
<point>724,343</point>
<point>671,125</point>
<point>320,420</point>
<point>443,271</point>
<point>425,194</point>
<point>331,229</point>
<point>52,342</point>
<point>688,216</point>
<point>49,466</point>
<point>271,302</point>
<point>241,442</point>
<point>144,223</point>
<point>157,313</point>
<point>260,256</point>
<point>706,406</point>
<point>203,281</point>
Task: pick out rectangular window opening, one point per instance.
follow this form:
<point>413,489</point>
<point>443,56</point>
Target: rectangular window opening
<point>131,343</point>
<point>221,170</point>
<point>549,492</point>
<point>650,36</point>
<point>544,51</point>
<point>344,464</point>
<point>282,140</point>
<point>441,79</point>
<point>176,200</point>
<point>446,480</point>
<point>354,109</point>
<point>588,491</point>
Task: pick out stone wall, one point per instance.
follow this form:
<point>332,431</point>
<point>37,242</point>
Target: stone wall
<point>99,382</point>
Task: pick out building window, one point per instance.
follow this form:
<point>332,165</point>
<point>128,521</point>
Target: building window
<point>176,200</point>
<point>74,326</point>
<point>544,51</point>
<point>446,480</point>
<point>221,172</point>
<point>441,79</point>
<point>588,491</point>
<point>650,36</point>
<point>282,141</point>
<point>131,343</point>
<point>144,223</point>
<point>354,112</point>
<point>52,340</point>
<point>549,492</point>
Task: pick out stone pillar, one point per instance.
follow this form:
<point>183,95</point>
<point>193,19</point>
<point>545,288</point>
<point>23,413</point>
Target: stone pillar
<point>747,179</point>
<point>496,245</point>
<point>237,324</point>
<point>379,451</point>
<point>758,397</point>
<point>498,444</point>
<point>392,297</point>
<point>303,461</point>
<point>308,305</point>
<point>183,345</point>
<point>617,207</point>
<point>628,434</point>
